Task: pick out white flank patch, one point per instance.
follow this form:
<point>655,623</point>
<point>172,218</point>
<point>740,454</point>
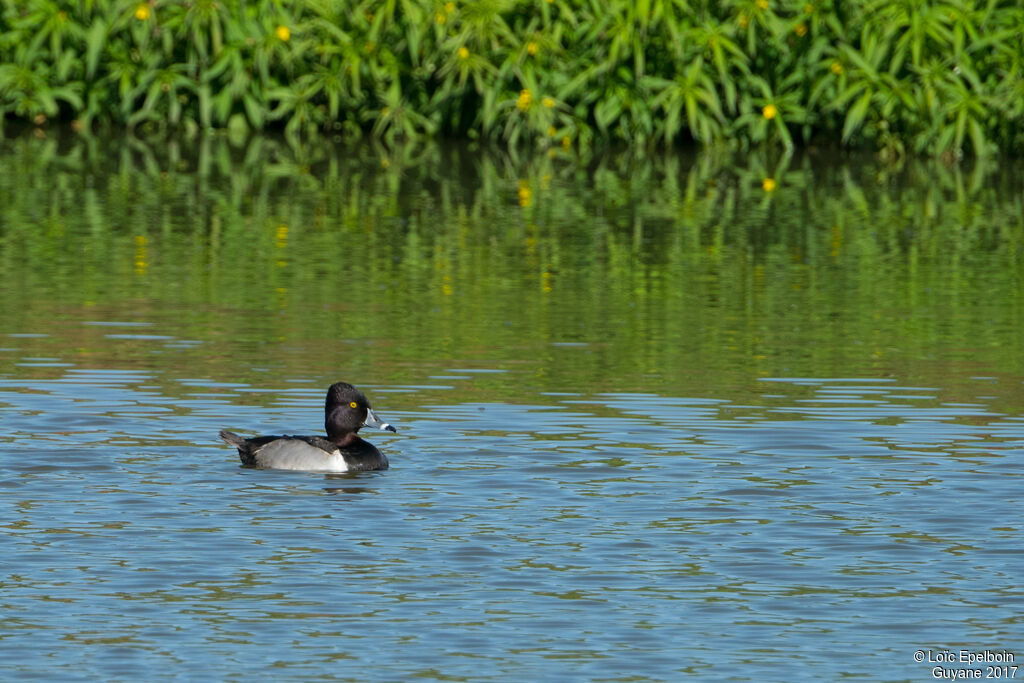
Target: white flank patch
<point>296,454</point>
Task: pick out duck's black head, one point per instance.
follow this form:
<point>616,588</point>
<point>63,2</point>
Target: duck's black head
<point>346,410</point>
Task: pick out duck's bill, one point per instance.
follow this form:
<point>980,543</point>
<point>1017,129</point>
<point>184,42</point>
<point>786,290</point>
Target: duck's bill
<point>373,421</point>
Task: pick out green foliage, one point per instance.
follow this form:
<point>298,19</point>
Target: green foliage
<point>940,77</point>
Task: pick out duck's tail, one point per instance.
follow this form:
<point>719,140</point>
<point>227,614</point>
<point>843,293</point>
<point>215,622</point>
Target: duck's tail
<point>232,438</point>
<point>246,451</point>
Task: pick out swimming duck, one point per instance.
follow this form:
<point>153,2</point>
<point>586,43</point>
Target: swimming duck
<point>346,410</point>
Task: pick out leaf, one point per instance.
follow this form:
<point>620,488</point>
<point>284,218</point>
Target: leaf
<point>606,111</point>
<point>783,130</point>
<point>855,117</point>
<point>978,141</point>
<point>205,105</point>
<point>96,38</point>
<point>254,110</point>
<point>68,94</point>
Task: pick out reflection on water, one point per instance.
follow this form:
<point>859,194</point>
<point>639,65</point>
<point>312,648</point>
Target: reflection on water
<point>670,273</point>
<point>654,419</point>
<point>623,536</point>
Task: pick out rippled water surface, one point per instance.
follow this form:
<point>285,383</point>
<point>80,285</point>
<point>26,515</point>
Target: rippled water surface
<point>834,530</point>
<point>743,440</point>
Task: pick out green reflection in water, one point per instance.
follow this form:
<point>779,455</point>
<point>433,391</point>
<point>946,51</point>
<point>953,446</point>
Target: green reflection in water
<point>675,274</point>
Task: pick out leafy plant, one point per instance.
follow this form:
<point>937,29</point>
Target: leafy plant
<point>938,77</point>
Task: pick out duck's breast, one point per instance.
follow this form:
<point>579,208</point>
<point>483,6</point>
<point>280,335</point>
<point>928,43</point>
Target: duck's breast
<point>296,454</point>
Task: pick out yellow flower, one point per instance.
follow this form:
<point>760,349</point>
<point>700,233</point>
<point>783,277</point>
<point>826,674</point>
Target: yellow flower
<point>762,4</point>
<point>547,102</point>
<point>283,33</point>
<point>449,7</point>
<point>142,12</point>
<point>441,17</point>
<point>769,111</point>
<point>800,30</point>
<point>463,52</point>
<point>742,20</point>
<point>531,47</point>
<point>836,67</point>
<point>552,131</point>
<point>566,142</point>
<point>768,184</point>
<point>525,99</point>
<point>808,8</point>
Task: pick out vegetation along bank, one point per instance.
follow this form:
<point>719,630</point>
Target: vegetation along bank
<point>938,77</point>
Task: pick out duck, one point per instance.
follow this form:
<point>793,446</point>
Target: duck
<point>346,411</point>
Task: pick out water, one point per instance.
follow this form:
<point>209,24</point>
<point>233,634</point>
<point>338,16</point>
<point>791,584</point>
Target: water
<point>710,466</point>
<point>612,537</point>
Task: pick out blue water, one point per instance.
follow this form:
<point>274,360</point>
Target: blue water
<point>826,528</point>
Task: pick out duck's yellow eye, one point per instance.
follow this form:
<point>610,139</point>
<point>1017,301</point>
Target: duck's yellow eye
<point>353,404</point>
